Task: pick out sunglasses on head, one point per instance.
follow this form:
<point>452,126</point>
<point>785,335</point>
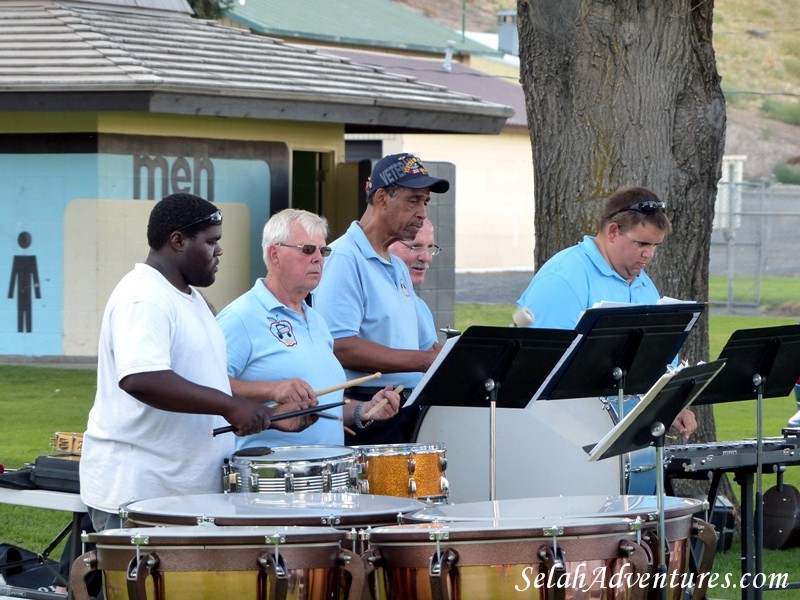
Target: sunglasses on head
<point>647,207</point>
<point>214,218</point>
<point>309,249</point>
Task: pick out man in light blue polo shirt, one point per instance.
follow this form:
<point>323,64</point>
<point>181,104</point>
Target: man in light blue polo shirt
<point>418,255</point>
<point>607,267</point>
<point>279,349</point>
<point>367,296</point>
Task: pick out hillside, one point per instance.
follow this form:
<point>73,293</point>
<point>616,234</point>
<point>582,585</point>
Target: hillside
<point>758,57</point>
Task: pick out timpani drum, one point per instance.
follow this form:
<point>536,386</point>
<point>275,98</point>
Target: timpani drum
<point>207,562</point>
<point>482,560</point>
<point>539,450</point>
<point>407,470</point>
<point>340,510</point>
<point>291,469</point>
<point>682,528</point>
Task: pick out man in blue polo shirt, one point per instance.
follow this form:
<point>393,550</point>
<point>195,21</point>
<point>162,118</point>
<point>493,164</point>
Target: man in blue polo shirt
<point>279,348</point>
<point>606,267</point>
<point>367,297</point>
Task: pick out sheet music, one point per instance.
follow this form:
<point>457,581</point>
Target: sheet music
<point>448,345</point>
<point>664,300</point>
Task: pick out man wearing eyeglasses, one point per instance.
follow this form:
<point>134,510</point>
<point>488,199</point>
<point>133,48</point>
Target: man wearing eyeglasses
<point>607,267</point>
<point>368,299</point>
<point>162,382</point>
<point>279,348</point>
<point>418,255</point>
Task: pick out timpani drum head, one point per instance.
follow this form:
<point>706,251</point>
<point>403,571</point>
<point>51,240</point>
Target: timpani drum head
<point>645,508</point>
<point>307,509</point>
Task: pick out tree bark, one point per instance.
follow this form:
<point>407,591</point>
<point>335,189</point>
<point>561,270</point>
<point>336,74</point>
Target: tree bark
<point>626,92</point>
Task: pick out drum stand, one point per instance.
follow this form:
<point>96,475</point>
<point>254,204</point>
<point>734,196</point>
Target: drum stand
<point>645,425</point>
<point>764,362</point>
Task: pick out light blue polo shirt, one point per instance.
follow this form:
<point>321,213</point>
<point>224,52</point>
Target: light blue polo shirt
<point>268,341</point>
<point>427,326</point>
<point>362,294</point>
<point>575,279</point>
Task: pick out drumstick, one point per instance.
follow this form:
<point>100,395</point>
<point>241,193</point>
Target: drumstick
<point>289,415</point>
<point>383,402</point>
<point>322,392</point>
<point>347,384</point>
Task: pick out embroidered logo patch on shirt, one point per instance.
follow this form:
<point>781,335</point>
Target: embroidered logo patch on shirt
<point>284,332</point>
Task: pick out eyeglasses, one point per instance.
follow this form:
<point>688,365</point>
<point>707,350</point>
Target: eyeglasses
<point>647,207</point>
<point>309,249</point>
<point>432,249</point>
<point>214,218</point>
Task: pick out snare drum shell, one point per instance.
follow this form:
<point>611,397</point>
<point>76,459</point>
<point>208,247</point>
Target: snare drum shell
<point>196,563</point>
<point>405,470</point>
<point>313,468</point>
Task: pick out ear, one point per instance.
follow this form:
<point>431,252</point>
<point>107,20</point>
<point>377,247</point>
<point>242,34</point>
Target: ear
<point>380,198</point>
<point>612,231</point>
<point>271,255</point>
<point>177,240</point>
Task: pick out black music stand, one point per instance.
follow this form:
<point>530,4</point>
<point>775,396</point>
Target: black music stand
<point>485,359</point>
<point>623,349</point>
<point>647,424</point>
<point>762,363</point>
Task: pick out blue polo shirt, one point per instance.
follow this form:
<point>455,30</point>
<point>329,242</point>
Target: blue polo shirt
<point>268,341</point>
<point>575,279</point>
<point>362,294</point>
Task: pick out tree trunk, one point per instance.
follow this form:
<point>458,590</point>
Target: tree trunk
<point>627,92</point>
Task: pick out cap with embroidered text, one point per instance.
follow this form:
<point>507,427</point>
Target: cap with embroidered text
<point>405,170</point>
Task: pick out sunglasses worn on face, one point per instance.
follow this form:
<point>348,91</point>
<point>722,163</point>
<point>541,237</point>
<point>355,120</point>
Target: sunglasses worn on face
<point>433,249</point>
<point>647,207</point>
<point>214,218</point>
<point>309,249</point>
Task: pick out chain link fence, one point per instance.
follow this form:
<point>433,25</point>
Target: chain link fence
<point>755,236</point>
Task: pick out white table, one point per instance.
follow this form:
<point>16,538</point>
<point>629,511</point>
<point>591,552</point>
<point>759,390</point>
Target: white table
<point>52,500</point>
<point>43,499</point>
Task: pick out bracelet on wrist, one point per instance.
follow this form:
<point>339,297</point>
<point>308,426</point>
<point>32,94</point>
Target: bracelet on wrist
<point>357,417</point>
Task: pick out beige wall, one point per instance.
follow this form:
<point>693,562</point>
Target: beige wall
<point>103,239</point>
<point>494,194</point>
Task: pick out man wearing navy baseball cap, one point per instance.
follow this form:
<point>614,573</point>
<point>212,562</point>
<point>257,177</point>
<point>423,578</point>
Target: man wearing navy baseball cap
<point>405,170</point>
<point>368,300</point>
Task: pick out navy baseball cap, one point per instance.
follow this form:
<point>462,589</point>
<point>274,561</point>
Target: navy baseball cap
<point>405,170</point>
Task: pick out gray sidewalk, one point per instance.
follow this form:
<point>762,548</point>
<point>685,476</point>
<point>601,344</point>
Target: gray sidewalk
<point>501,287</point>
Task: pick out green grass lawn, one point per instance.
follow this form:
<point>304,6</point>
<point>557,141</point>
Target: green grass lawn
<point>39,401</point>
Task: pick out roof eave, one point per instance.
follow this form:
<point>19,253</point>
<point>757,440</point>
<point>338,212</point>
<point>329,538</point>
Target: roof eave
<point>376,116</point>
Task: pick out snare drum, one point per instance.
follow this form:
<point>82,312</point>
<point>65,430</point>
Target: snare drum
<point>196,563</point>
<point>538,450</point>
<point>291,469</point>
<point>343,510</point>
<point>408,470</point>
<point>507,559</point>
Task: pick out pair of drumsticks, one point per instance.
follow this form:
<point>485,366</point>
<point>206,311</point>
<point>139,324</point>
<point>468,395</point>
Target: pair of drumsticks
<point>319,408</point>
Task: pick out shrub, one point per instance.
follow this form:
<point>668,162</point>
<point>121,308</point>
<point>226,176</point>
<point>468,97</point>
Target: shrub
<point>782,110</point>
<point>787,174</point>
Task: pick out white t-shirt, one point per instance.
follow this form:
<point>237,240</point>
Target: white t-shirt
<point>132,451</point>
